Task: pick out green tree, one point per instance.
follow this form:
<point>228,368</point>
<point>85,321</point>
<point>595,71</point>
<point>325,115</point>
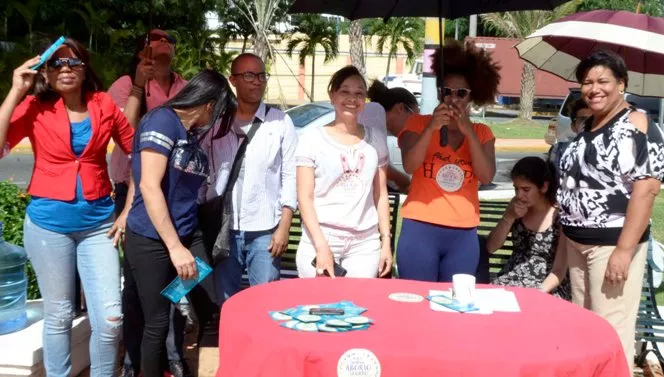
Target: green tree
<point>262,15</point>
<point>404,32</point>
<point>650,7</point>
<point>519,25</point>
<point>310,32</point>
<point>96,20</point>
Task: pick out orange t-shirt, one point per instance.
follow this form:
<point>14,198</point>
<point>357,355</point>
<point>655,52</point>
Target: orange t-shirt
<point>444,189</point>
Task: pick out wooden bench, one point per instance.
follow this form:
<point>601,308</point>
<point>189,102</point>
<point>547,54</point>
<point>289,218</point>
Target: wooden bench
<point>649,323</point>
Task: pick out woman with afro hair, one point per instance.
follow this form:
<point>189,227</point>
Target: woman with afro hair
<point>448,156</point>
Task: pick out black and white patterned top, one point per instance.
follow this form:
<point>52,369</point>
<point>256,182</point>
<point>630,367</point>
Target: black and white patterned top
<point>532,259</point>
<point>597,173</point>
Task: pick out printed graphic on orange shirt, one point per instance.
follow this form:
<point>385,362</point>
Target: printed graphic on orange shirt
<point>451,174</point>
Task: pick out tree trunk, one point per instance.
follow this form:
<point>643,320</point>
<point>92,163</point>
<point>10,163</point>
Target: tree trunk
<point>261,47</point>
<point>357,47</point>
<point>90,42</point>
<point>527,91</point>
<point>313,73</point>
<point>244,44</point>
<point>389,60</point>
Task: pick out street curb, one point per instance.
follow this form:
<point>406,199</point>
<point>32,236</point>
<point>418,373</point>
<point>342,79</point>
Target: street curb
<point>517,149</point>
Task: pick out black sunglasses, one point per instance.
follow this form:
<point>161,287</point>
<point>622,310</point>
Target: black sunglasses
<point>160,37</point>
<point>252,76</point>
<point>69,62</point>
<point>460,93</point>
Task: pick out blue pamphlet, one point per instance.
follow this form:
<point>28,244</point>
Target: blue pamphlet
<point>453,304</point>
<point>178,288</point>
<point>43,58</point>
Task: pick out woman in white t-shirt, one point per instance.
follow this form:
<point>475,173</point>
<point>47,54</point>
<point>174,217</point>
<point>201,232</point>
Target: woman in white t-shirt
<point>342,190</point>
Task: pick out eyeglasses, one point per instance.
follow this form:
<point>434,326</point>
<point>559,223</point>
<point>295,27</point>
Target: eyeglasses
<point>72,63</point>
<point>410,109</point>
<point>460,93</point>
<point>252,76</point>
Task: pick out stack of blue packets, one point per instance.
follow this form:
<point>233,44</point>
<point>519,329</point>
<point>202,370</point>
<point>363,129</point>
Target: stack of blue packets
<point>453,304</point>
<point>299,319</point>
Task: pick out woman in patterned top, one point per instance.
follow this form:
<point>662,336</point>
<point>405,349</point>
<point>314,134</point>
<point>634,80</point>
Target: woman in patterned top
<point>532,218</point>
<point>610,176</point>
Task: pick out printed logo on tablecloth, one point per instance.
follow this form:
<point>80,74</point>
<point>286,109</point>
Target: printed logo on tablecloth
<point>405,297</point>
<point>450,177</point>
<point>358,362</point>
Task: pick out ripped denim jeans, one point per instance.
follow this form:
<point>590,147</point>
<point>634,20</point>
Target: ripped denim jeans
<point>55,258</point>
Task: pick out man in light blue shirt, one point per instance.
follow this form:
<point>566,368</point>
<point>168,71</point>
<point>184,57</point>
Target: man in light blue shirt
<point>264,195</point>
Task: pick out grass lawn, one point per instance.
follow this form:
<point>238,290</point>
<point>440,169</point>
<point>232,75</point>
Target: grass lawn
<point>518,129</point>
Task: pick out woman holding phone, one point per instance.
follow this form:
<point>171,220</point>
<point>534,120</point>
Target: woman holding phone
<point>342,189</point>
<point>448,156</point>
<point>70,122</point>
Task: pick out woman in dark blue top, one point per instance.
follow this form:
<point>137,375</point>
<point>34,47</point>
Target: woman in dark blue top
<point>162,238</point>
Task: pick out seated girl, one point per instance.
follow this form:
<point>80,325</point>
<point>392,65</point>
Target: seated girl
<point>532,218</point>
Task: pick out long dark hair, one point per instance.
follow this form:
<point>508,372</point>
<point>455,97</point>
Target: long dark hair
<point>208,86</point>
<point>388,98</point>
<point>537,171</point>
<point>91,82</point>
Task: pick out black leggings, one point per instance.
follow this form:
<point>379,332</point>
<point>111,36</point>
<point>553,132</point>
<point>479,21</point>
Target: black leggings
<point>152,269</point>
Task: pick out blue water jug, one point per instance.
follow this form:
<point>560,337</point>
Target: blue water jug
<point>13,286</point>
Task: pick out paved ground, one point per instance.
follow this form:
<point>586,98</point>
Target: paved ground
<point>18,165</point>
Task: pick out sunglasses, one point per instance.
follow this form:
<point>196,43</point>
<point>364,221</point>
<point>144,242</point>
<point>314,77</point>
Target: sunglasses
<point>72,63</point>
<point>460,93</point>
<point>162,38</point>
<point>252,76</point>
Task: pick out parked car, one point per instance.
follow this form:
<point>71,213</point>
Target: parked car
<point>318,114</point>
<point>562,124</point>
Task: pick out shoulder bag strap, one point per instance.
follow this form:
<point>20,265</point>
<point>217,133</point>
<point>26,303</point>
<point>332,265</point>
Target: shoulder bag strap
<point>237,163</point>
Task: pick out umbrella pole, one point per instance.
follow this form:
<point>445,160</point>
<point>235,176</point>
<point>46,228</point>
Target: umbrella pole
<point>443,130</point>
<point>147,41</point>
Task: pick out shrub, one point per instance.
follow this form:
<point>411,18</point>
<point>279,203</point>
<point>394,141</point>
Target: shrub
<point>13,202</point>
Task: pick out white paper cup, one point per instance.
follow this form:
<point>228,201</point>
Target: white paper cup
<point>463,288</point>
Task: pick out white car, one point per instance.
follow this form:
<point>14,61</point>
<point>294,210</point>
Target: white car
<point>318,114</point>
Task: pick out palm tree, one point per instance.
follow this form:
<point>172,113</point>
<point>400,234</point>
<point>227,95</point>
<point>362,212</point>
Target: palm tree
<point>95,20</point>
<point>310,31</point>
<point>406,32</point>
<point>262,14</point>
<point>520,25</point>
<point>357,46</point>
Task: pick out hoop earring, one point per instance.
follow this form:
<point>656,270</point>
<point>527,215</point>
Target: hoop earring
<point>621,92</point>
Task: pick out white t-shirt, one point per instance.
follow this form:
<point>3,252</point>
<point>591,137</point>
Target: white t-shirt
<point>343,176</point>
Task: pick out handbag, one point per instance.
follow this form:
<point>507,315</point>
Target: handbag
<point>214,215</point>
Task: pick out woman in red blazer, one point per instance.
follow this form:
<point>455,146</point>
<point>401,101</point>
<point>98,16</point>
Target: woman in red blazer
<point>70,122</point>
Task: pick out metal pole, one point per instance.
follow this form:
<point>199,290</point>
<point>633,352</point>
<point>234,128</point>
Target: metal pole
<point>661,114</point>
<point>456,29</point>
<point>472,27</point>
<point>431,43</point>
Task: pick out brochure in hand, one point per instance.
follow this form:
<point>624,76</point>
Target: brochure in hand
<point>178,287</point>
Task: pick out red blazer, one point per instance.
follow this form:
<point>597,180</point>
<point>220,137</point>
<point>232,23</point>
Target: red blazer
<point>47,126</point>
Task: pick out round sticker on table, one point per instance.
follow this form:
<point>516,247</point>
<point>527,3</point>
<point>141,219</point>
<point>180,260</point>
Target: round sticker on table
<point>450,177</point>
<point>405,297</point>
<point>359,320</point>
<point>358,362</point>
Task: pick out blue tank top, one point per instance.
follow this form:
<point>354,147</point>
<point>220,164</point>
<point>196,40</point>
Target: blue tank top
<point>76,215</point>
